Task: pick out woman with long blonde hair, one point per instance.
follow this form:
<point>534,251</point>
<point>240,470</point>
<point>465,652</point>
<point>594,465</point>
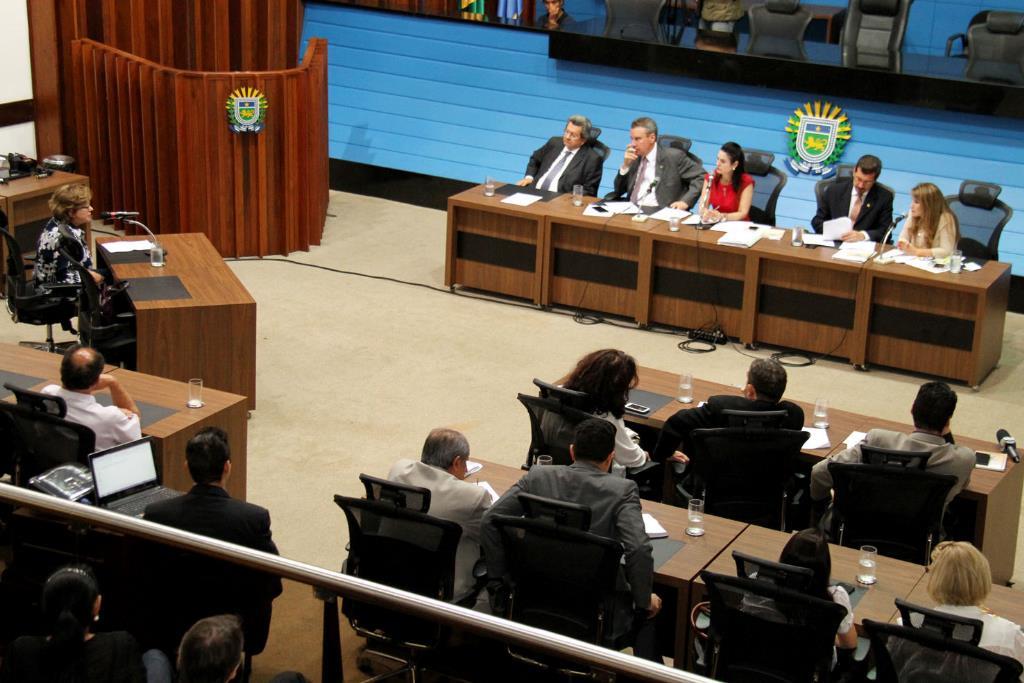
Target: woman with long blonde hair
<point>931,228</point>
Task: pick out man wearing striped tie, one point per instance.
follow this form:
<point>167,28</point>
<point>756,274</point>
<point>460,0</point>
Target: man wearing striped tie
<point>566,161</point>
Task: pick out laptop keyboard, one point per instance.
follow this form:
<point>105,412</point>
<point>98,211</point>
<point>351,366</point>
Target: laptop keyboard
<point>136,505</point>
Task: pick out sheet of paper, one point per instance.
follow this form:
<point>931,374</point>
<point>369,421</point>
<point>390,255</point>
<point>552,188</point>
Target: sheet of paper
<point>622,207</point>
<point>473,467</point>
<point>653,527</point>
<point>734,225</point>
<point>927,265</point>
<point>816,239</point>
<point>123,246</point>
<point>996,461</point>
<point>971,266</point>
<point>837,227</point>
<point>668,212</point>
<point>692,219</point>
<point>774,234</point>
<point>490,490</point>
<point>818,439</point>
<point>863,245</point>
<point>520,199</point>
<point>597,210</point>
<point>742,236</point>
<point>852,256</point>
<point>854,438</point>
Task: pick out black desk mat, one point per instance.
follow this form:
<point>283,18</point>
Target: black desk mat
<point>126,257</point>
<point>663,549</point>
<point>512,188</point>
<point>646,398</point>
<point>157,288</point>
<point>18,380</point>
<point>150,413</point>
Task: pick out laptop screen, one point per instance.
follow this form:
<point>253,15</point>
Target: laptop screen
<point>123,467</point>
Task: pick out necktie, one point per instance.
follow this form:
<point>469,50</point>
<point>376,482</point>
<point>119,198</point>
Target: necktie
<point>855,209</point>
<point>639,180</point>
<point>549,181</point>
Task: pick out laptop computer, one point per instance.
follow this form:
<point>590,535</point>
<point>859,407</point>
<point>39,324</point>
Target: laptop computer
<point>125,478</point>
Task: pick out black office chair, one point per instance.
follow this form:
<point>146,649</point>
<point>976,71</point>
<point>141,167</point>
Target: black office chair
<point>557,512</point>
<point>562,580</point>
<point>873,32</point>
<point>634,20</point>
<point>553,418</point>
<point>33,400</point>
<point>768,184</point>
<point>35,304</point>
<point>44,441</point>
<point>745,473</point>
<point>943,624</point>
<point>676,141</point>
<point>996,46</point>
<point>978,18</point>
<point>404,496</point>
<point>110,333</point>
<point>842,171</point>
<point>761,632</point>
<point>776,573</point>
<point>912,655</point>
<point>404,549</point>
<point>777,29</point>
<point>603,150</point>
<point>874,455</point>
<point>896,509</point>
<point>982,217</point>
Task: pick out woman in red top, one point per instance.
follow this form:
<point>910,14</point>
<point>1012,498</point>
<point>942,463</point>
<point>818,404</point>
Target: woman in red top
<point>728,193</point>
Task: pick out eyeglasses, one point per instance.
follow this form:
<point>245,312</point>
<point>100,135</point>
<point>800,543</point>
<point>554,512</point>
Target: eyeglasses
<point>572,136</point>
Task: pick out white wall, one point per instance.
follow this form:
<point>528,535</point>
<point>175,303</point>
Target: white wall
<point>16,82</point>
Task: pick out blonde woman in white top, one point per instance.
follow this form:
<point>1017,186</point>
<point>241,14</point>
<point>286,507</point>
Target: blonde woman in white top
<point>959,580</point>
<point>931,228</point>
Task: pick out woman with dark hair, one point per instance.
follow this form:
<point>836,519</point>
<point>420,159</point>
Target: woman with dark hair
<point>71,652</point>
<point>809,549</point>
<point>729,191</point>
<point>607,376</point>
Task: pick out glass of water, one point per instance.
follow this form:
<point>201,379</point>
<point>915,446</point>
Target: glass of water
<point>545,460</point>
<point>866,565</point>
<point>156,256</point>
<point>685,394</point>
<point>695,517</point>
<point>956,261</point>
<point>577,195</point>
<point>489,186</point>
<point>673,224</point>
<point>821,413</point>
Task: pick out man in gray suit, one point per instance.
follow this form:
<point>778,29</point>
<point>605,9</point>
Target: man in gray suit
<point>442,469</point>
<point>614,504</point>
<point>932,410</point>
<point>679,177</point>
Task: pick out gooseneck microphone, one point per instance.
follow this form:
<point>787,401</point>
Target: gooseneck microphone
<point>1008,444</point>
<point>118,215</point>
<point>885,238</point>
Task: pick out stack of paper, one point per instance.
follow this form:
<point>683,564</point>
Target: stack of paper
<point>521,199</point>
<point>490,490</point>
<point>742,236</point>
<point>818,439</point>
<point>123,246</point>
<point>668,213</point>
<point>653,527</point>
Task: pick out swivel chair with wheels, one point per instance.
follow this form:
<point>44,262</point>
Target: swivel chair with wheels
<point>111,334</point>
<point>33,400</point>
<point>996,46</point>
<point>873,32</point>
<point>34,304</point>
<point>947,625</point>
<point>43,441</point>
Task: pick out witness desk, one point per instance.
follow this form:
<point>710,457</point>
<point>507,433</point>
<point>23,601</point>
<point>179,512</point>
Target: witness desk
<point>893,315</point>
<point>205,328</point>
<point>164,415</point>
<point>994,497</point>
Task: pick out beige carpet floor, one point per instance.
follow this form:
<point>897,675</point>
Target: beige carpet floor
<point>352,372</point>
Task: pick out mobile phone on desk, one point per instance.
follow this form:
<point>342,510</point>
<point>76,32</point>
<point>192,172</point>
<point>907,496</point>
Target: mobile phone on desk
<point>598,208</point>
<point>637,408</point>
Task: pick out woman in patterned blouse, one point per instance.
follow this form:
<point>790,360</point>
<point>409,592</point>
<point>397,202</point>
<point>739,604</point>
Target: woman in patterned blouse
<point>71,214</point>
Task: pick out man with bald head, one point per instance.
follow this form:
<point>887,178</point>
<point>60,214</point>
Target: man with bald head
<point>81,377</point>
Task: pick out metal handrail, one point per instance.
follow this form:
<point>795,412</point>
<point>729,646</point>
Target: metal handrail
<point>356,588</point>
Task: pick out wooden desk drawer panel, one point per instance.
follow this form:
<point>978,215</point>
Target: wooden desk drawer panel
<point>693,286</point>
<point>594,270</point>
<point>496,252</point>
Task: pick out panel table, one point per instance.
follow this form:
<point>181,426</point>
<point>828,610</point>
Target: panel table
<point>210,332</point>
<point>171,431</point>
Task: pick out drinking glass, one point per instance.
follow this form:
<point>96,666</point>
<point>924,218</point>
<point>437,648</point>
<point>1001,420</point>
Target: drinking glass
<point>489,185</point>
<point>866,565</point>
<point>956,261</point>
<point>695,515</point>
<point>685,394</point>
<point>673,224</point>
<point>156,256</point>
<point>577,195</point>
<point>545,460</point>
<point>195,393</point>
<point>821,413</point>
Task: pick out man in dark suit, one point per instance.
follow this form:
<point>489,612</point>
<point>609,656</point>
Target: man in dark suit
<point>679,177</point>
<point>196,586</point>
<point>868,204</point>
<point>570,160</point>
<point>766,382</point>
<point>614,504</point>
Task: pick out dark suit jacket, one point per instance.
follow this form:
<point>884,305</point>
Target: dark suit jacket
<point>680,178</point>
<point>585,168</point>
<point>196,586</point>
<point>874,217</point>
<point>678,428</point>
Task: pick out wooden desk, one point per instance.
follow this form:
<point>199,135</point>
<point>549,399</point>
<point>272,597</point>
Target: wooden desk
<point>171,433</point>
<point>894,315</point>
<point>211,335</point>
<point>676,574</point>
<point>896,579</point>
<point>1002,601</point>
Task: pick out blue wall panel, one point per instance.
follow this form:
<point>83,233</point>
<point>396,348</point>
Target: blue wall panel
<point>463,101</point>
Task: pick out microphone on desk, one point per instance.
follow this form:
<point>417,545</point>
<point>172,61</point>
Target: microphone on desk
<point>117,215</point>
<point>640,217</point>
<point>1008,444</point>
<point>885,238</point>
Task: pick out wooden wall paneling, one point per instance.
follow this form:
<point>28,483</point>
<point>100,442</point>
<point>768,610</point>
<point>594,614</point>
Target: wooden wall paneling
<point>137,124</point>
<point>225,221</point>
<point>317,123</point>
<point>168,216</point>
<point>124,160</point>
<point>267,170</point>
<point>148,188</point>
<point>294,215</point>
<point>42,28</point>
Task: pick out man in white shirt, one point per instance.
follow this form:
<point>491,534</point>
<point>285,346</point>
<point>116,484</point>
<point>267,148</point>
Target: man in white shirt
<point>81,376</point>
<point>567,161</point>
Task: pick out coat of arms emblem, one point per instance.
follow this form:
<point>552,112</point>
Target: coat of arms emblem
<point>817,136</point>
<point>247,109</point>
